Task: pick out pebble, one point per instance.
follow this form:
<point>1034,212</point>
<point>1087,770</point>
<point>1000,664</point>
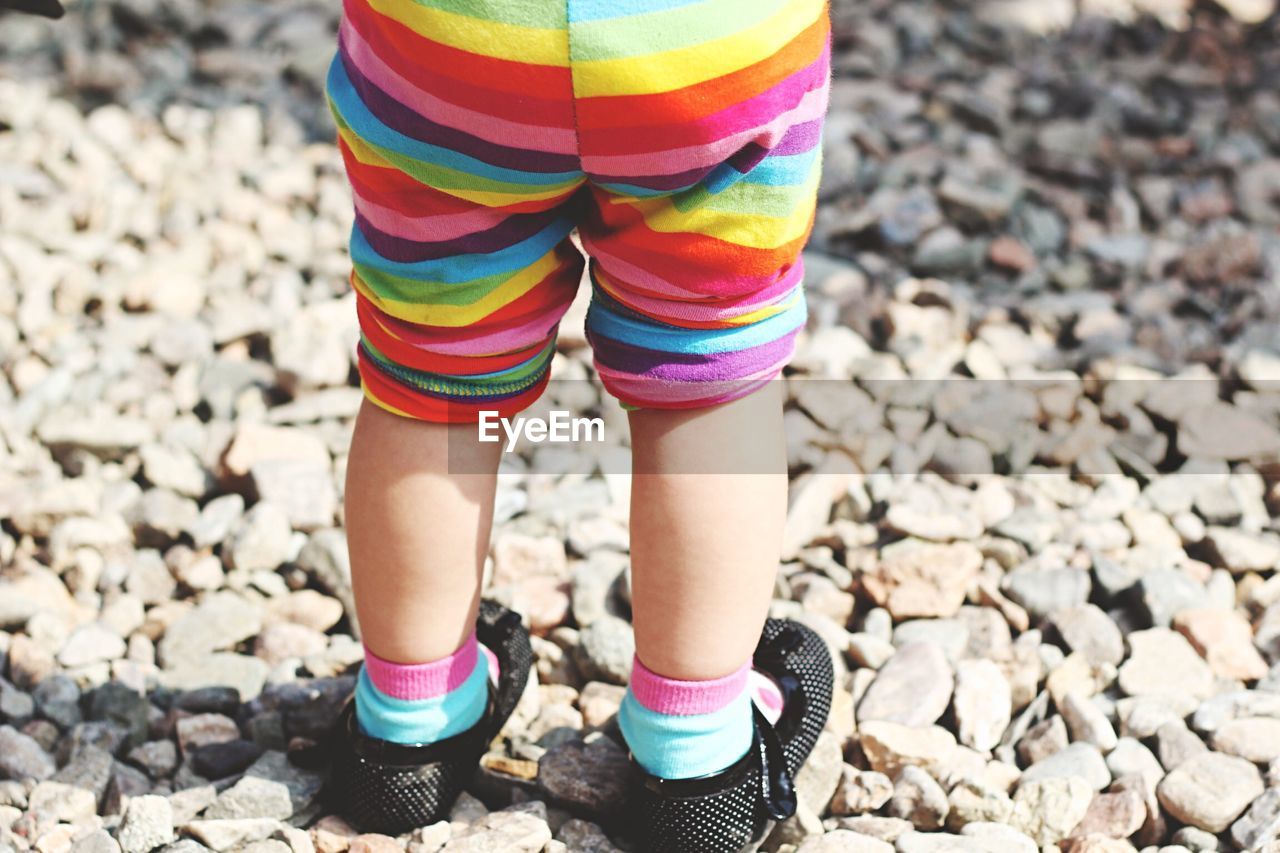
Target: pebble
<point>591,776</point>
<point>1048,809</point>
<point>147,823</point>
<point>1210,790</point>
<point>860,791</point>
<point>1225,640</point>
<point>606,649</point>
<point>1088,630</point>
<point>918,797</point>
<point>21,757</point>
<point>1155,653</point>
<point>983,703</point>
<point>891,746</point>
<point>1077,761</point>
<point>1254,738</point>
<point>913,687</point>
<point>179,398</point>
<point>921,579</point>
<point>519,829</point>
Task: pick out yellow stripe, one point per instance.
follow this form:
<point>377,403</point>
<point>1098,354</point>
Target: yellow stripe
<point>457,316</point>
<point>688,66</point>
<point>743,229</point>
<point>485,38</point>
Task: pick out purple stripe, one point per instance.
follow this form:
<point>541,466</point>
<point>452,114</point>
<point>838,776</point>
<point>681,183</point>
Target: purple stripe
<point>689,367</point>
<point>514,229</point>
<point>401,119</point>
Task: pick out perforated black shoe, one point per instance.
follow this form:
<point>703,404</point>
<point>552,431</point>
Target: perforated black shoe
<point>734,809</point>
<point>392,788</point>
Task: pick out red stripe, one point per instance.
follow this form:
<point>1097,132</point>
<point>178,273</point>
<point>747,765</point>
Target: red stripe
<point>671,110</point>
<point>481,83</point>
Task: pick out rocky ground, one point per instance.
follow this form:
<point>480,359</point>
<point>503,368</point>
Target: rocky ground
<point>1033,431</point>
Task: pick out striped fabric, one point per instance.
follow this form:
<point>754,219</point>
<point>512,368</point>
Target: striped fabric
<point>680,137</point>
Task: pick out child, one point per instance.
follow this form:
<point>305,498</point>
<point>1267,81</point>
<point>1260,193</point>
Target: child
<point>681,138</point>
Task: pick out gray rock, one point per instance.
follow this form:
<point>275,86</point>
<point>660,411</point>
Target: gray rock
<point>1176,744</point>
<point>1260,825</point>
<point>1088,630</point>
<point>844,841</point>
<point>58,700</point>
<point>520,829</point>
<point>1043,592</point>
<point>820,774</point>
<point>589,776</point>
<point>1048,809</point>
<point>1088,722</point>
<point>582,836</point>
<point>62,802</point>
<point>1079,760</point>
<point>98,841</point>
<point>261,539</point>
<point>1166,592</point>
<point>251,797</point>
<point>16,707</point>
<point>605,651</point>
<point>918,797</point>
<point>21,756</point>
<point>243,673</point>
<point>302,785</point>
<point>91,643</point>
<point>302,488</point>
<point>147,824</point>
<point>219,621</point>
<point>913,687</point>
<point>225,835</point>
<point>1210,790</point>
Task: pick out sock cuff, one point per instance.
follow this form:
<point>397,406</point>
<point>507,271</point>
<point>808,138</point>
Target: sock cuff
<point>675,697</point>
<point>423,680</point>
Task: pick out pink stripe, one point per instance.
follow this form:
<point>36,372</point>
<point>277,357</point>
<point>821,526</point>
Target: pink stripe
<point>423,680</point>
<point>550,139</point>
<point>428,228</point>
<point>685,698</point>
<point>812,105</point>
<point>721,309</point>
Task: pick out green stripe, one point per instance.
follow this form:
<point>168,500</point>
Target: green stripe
<point>417,291</point>
<point>535,14</point>
<point>508,382</point>
<point>668,29</point>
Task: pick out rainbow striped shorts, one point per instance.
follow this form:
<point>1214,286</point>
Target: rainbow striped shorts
<point>680,138</point>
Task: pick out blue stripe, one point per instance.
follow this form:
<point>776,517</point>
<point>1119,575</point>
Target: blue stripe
<point>600,10</point>
<point>370,129</point>
<point>460,269</point>
<point>423,720</point>
<point>679,747</point>
<point>696,341</point>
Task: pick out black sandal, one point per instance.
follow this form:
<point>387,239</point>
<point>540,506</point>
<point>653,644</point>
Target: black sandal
<point>392,788</point>
<point>734,809</point>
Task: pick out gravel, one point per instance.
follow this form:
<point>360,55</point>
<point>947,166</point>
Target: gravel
<point>1033,425</point>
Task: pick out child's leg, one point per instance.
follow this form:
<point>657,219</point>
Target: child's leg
<point>705,534</point>
<point>417,534</point>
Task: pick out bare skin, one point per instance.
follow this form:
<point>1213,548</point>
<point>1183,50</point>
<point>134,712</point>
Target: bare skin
<point>708,503</point>
<point>416,532</point>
